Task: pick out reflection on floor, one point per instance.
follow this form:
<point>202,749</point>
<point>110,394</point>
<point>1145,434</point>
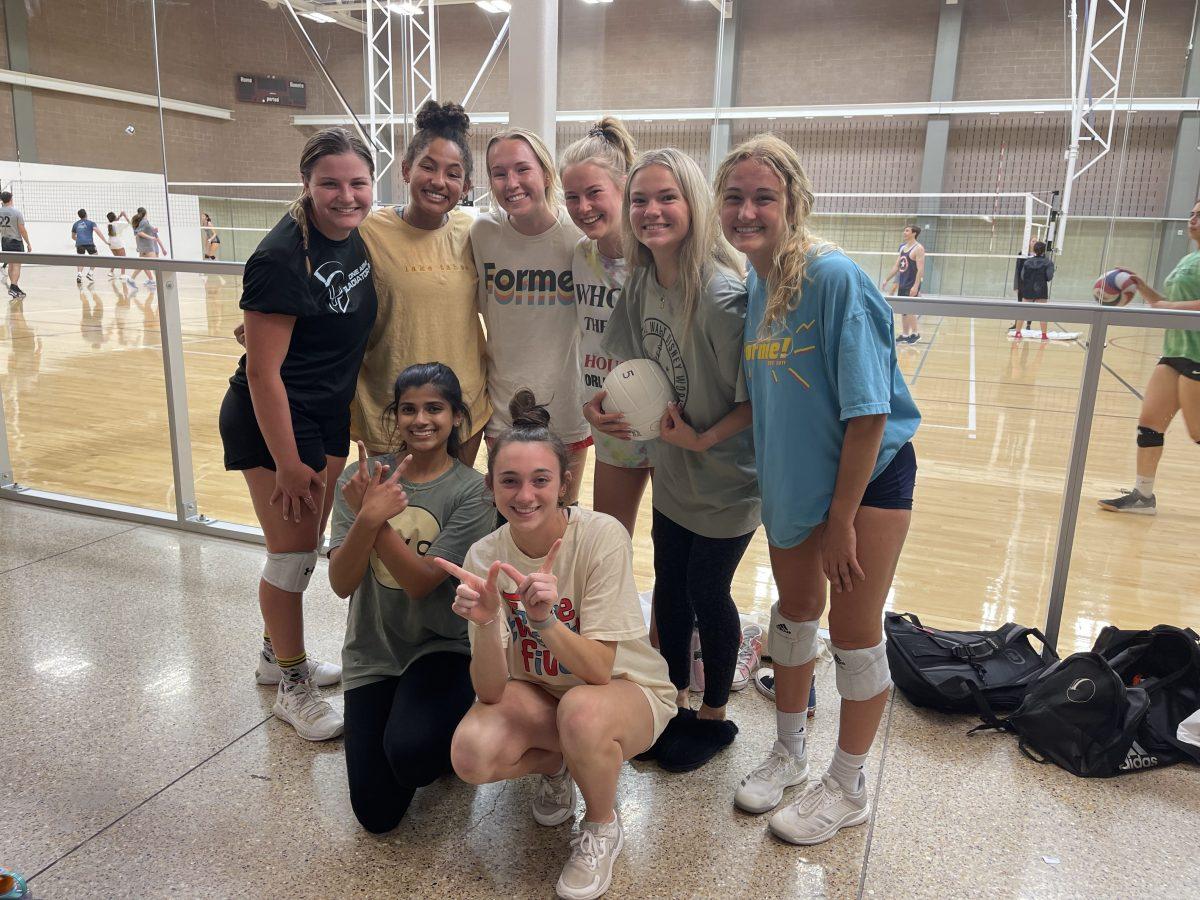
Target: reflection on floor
<point>82,381</point>
<point>141,760</point>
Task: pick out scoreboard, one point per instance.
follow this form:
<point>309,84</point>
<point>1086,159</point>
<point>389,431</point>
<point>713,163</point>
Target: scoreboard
<point>271,89</point>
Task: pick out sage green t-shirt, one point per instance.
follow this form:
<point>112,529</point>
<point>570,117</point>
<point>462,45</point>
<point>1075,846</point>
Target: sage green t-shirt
<point>386,630</point>
<point>1183,284</point>
<point>712,493</point>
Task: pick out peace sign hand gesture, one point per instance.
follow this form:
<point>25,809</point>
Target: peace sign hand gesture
<point>475,599</point>
<point>539,591</point>
<point>384,499</point>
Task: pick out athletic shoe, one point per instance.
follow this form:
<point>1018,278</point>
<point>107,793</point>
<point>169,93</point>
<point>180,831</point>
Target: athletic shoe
<point>764,680</point>
<point>1045,337</point>
<point>302,706</point>
<point>1132,502</point>
<point>79,279</point>
<point>20,293</point>
<point>91,277</point>
<point>1018,335</point>
<point>554,802</point>
<point>697,680</point>
<point>748,656</point>
<point>913,338</point>
<point>822,810</point>
<point>588,871</point>
<point>149,283</point>
<point>325,674</point>
<point>131,280</point>
<point>763,788</point>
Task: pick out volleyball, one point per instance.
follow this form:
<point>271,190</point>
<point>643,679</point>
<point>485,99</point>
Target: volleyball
<point>639,390</point>
<point>1115,288</point>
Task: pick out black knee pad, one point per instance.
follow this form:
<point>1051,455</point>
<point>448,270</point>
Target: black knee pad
<point>1148,437</point>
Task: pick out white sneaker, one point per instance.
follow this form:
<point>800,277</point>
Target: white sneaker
<point>91,277</point>
<point>763,788</point>
<point>131,280</point>
<point>325,674</point>
<point>822,810</point>
<point>748,656</point>
<point>149,283</point>
<point>588,871</point>
<point>302,706</point>
<point>554,802</point>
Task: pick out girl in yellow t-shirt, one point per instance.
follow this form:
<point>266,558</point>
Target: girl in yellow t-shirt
<point>426,282</point>
<point>568,685</point>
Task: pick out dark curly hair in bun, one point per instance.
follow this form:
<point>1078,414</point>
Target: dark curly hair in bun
<point>530,424</point>
<point>441,120</point>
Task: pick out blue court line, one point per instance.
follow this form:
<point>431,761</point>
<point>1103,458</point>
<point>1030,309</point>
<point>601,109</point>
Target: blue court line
<point>925,352</point>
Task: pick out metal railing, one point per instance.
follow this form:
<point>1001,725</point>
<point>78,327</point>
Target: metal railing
<point>188,517</point>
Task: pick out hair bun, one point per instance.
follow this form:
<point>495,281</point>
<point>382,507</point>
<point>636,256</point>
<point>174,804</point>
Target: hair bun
<point>526,412</point>
<point>441,117</point>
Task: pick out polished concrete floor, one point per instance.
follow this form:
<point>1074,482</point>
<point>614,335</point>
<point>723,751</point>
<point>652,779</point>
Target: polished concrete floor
<point>141,760</point>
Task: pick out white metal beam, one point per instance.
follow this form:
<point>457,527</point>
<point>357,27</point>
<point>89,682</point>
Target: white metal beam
<point>381,107</point>
<point>62,86</point>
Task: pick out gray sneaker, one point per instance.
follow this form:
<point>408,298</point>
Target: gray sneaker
<point>588,871</point>
<point>554,802</point>
<point>1131,502</point>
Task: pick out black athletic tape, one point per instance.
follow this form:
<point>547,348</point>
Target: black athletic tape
<point>1148,437</point>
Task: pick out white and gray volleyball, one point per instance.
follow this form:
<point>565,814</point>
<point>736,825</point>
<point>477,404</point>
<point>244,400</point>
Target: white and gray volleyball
<point>639,390</point>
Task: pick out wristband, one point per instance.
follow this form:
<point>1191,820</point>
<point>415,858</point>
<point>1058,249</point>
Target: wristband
<point>544,623</point>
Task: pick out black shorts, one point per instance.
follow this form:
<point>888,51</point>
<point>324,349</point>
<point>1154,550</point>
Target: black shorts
<point>1188,368</point>
<point>12,245</point>
<point>893,487</point>
<point>245,447</point>
<point>89,249</point>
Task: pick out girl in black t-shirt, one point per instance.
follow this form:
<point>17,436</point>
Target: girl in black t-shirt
<point>309,306</point>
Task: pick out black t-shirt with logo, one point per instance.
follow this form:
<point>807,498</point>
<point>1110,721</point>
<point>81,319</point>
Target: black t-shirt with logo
<point>334,308</point>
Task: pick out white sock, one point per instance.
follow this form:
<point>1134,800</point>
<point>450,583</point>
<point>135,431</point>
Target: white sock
<point>1144,485</point>
<point>847,770</point>
<point>790,728</point>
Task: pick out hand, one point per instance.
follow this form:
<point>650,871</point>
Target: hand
<point>239,334</point>
<point>475,600</point>
<point>355,489</point>
<point>294,486</point>
<point>384,499</point>
<point>539,591</point>
<point>609,423</point>
<point>839,559</point>
<point>675,430</point>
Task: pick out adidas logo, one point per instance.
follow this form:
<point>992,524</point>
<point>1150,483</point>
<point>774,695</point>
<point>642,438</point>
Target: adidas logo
<point>782,628</point>
<point>1138,758</point>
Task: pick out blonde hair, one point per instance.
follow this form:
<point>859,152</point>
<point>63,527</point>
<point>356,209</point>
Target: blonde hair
<point>540,151</point>
<point>328,142</point>
<point>799,245</point>
<point>608,144</point>
<point>703,247</point>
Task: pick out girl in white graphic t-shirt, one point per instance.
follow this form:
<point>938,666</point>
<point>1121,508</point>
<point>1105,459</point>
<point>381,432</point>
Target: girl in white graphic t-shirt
<point>594,169</point>
<point>568,685</point>
<point>523,251</point>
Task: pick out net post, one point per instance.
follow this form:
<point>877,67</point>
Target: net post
<point>1027,234</point>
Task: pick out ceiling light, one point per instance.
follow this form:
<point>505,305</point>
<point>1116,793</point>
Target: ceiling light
<point>318,17</point>
<point>405,9</point>
<point>594,2</point>
<point>494,6</point>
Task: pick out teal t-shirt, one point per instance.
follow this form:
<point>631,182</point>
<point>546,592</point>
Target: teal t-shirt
<point>713,493</point>
<point>1183,284</point>
<point>833,358</point>
<point>386,630</point>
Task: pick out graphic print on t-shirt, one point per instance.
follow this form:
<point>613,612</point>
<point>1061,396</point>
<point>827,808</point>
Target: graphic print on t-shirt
<point>536,657</point>
<point>659,344</point>
<point>419,529</point>
<point>529,287</point>
<point>777,353</point>
<point>338,285</point>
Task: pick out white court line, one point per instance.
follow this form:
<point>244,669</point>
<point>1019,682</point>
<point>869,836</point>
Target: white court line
<point>971,388</point>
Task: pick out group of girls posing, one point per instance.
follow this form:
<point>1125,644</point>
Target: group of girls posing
<point>522,649</point>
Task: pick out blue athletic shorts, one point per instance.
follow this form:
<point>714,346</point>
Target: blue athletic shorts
<point>893,487</point>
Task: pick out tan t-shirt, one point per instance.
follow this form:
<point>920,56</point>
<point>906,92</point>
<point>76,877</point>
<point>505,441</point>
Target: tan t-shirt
<point>428,312</point>
<point>599,601</point>
<point>527,298</point>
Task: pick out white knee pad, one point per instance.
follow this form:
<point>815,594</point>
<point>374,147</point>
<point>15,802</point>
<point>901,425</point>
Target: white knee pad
<point>290,571</point>
<point>792,643</point>
<point>862,674</point>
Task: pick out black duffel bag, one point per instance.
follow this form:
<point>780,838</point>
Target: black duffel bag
<point>962,671</point>
<point>1080,715</point>
<point>1164,662</point>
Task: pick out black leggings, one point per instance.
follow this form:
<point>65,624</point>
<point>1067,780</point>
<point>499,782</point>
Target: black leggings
<point>692,575</point>
<point>398,735</point>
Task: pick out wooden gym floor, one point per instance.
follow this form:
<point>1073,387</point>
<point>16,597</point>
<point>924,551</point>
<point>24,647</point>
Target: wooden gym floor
<point>82,380</point>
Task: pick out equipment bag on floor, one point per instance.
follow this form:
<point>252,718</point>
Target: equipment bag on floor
<point>1164,662</point>
<point>962,671</point>
<point>1080,715</point>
